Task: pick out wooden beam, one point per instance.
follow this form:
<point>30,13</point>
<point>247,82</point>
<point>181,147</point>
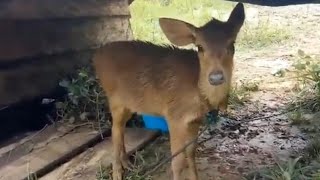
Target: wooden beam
<point>62,155</point>
<point>86,165</point>
<point>47,9</point>
<point>24,79</point>
<point>21,39</point>
<point>45,158</point>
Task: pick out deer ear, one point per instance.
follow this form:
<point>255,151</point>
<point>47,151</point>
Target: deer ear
<point>178,32</point>
<point>237,17</point>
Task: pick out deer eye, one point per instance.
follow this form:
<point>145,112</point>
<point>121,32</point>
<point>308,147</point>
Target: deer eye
<point>200,48</point>
<point>231,48</point>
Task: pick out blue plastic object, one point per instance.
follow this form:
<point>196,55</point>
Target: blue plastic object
<point>155,123</point>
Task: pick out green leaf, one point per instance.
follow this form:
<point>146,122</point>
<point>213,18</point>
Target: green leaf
<point>287,176</point>
<point>300,66</point>
<point>64,83</point>
<point>60,105</point>
<point>307,62</point>
<point>301,53</point>
<point>315,67</point>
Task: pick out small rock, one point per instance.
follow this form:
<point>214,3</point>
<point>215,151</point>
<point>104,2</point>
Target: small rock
<point>83,116</point>
<point>243,130</point>
<point>72,120</point>
<point>222,134</point>
<point>308,116</point>
<point>240,169</point>
<point>233,135</point>
<point>253,134</point>
<point>256,122</point>
<point>269,155</point>
<point>253,150</point>
<point>261,131</point>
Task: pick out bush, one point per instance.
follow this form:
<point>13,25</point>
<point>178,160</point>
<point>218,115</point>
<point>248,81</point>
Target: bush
<point>307,70</point>
<point>85,99</point>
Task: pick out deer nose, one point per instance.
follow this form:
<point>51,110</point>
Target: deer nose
<point>216,78</point>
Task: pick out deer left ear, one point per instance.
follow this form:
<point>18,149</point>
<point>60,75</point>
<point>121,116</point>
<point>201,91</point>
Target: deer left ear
<point>237,17</point>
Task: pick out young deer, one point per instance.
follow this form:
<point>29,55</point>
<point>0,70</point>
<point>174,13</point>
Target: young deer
<point>180,84</point>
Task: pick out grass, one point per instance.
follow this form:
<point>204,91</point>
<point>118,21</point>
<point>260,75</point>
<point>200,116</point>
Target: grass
<point>240,93</point>
<point>307,69</point>
<point>145,26</point>
<point>297,118</point>
<point>263,35</point>
<point>307,100</point>
<point>145,15</point>
<point>305,167</point>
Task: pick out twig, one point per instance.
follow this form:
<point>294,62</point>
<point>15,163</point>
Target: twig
<point>263,117</point>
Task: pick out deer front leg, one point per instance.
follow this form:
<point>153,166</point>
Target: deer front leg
<point>120,116</point>
<point>178,163</point>
<point>191,134</point>
<point>182,134</point>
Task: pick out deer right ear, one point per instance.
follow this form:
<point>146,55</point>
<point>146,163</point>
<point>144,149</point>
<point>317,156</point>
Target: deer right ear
<point>178,32</point>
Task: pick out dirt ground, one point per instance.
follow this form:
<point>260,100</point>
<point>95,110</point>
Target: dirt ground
<point>240,147</point>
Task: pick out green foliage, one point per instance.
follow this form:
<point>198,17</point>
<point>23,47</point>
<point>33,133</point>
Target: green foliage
<point>286,171</point>
<point>145,15</point>
<point>294,169</point>
<point>145,26</point>
<point>103,172</point>
<point>308,70</point>
<point>32,176</point>
<point>240,93</point>
<point>262,35</point>
<point>85,97</point>
<point>313,149</point>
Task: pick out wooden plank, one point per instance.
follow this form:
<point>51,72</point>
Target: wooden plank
<point>20,39</point>
<point>23,146</point>
<point>46,9</point>
<point>14,150</point>
<point>54,153</point>
<point>86,165</point>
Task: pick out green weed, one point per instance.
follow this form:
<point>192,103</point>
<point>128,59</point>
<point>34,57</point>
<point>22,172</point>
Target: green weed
<point>307,72</point>
<point>239,94</point>
<point>85,98</point>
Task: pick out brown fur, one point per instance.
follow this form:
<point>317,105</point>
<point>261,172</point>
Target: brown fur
<point>164,80</point>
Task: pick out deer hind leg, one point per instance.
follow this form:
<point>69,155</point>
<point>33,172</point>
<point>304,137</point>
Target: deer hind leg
<point>180,136</point>
<point>120,116</point>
